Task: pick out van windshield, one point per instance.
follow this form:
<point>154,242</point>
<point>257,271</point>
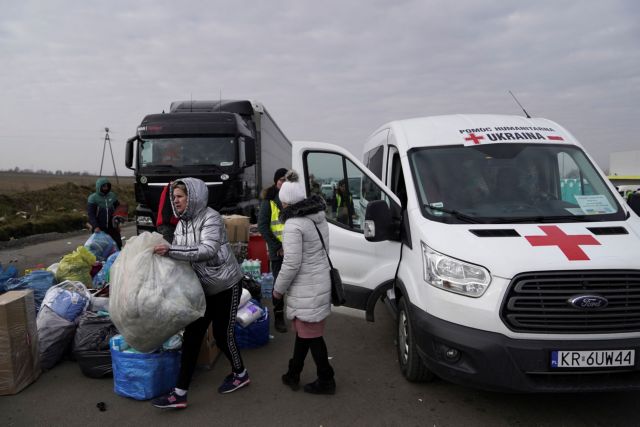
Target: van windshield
<point>500,183</point>
<point>185,152</point>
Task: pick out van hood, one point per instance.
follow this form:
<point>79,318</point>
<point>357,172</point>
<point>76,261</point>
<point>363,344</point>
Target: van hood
<point>508,249</point>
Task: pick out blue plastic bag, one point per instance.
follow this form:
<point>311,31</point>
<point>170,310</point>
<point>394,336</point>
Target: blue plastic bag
<point>101,245</point>
<point>255,334</point>
<point>5,274</point>
<point>67,299</point>
<point>143,376</point>
<point>102,277</point>
<point>39,281</point>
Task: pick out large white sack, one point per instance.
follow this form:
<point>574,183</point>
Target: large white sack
<point>152,297</point>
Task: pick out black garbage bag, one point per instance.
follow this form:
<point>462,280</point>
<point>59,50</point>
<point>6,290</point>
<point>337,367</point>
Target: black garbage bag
<point>55,333</point>
<point>252,286</point>
<point>91,344</point>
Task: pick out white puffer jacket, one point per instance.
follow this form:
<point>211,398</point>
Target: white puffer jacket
<point>304,275</point>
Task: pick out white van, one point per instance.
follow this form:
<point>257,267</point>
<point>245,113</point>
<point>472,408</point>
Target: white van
<point>502,277</point>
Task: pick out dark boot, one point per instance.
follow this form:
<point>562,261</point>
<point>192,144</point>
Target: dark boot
<point>319,386</point>
<point>325,384</point>
<point>292,377</point>
<point>278,315</point>
<point>278,321</point>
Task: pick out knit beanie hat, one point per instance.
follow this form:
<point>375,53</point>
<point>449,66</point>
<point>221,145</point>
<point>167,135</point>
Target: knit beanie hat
<point>279,174</point>
<point>292,190</point>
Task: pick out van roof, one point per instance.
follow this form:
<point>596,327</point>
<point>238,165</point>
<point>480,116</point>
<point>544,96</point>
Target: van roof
<point>472,129</point>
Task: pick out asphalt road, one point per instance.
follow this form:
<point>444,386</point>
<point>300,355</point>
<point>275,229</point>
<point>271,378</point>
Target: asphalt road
<point>371,391</point>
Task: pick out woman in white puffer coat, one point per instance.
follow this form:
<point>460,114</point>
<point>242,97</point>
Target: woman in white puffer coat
<point>304,277</point>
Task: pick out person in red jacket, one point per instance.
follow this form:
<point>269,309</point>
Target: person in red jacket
<point>166,221</point>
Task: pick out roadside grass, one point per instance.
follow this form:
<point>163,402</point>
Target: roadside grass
<point>59,208</point>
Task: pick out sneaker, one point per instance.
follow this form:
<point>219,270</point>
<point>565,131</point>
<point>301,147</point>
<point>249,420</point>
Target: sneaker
<point>171,400</point>
<point>232,382</point>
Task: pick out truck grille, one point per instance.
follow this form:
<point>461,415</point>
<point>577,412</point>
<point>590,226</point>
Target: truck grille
<point>538,302</point>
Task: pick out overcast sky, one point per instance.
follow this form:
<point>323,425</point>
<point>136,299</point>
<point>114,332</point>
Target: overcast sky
<point>326,70</point>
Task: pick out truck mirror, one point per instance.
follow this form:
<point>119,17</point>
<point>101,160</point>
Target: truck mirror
<point>378,224</point>
<point>250,151</point>
<point>128,155</point>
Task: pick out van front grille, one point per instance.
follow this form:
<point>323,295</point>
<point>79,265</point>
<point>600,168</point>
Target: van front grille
<point>539,302</point>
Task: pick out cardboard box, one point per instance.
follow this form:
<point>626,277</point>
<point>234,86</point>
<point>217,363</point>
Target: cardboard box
<point>208,350</point>
<point>19,351</point>
<point>237,227</point>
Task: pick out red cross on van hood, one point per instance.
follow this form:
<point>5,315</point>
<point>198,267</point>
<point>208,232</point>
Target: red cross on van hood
<point>509,249</point>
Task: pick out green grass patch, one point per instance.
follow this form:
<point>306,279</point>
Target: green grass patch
<point>61,208</point>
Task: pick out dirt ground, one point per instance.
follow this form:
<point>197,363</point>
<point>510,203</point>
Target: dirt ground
<point>11,182</point>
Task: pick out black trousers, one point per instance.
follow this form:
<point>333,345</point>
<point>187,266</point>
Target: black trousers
<point>221,311</point>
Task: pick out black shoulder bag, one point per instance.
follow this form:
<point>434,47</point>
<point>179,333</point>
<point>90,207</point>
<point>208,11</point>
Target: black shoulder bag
<point>337,290</point>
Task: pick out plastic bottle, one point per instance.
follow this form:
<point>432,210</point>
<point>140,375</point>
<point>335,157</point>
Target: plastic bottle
<point>256,269</point>
<point>266,285</point>
<point>118,343</point>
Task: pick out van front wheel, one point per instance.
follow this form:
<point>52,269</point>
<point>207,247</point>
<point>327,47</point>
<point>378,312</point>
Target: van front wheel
<point>411,364</point>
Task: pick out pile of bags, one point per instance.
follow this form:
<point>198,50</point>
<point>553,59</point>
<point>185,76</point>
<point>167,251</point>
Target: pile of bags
<point>122,313</point>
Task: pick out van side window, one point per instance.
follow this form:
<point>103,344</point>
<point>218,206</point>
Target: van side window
<point>344,187</point>
<point>373,161</point>
<point>397,184</point>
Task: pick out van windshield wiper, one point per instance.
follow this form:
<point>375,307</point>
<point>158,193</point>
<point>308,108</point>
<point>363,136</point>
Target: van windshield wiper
<point>543,219</point>
<point>457,214</point>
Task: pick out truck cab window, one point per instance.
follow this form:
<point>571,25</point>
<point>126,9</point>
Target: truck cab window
<point>344,187</point>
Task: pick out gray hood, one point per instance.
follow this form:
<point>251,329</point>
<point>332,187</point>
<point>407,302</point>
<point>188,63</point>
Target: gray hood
<point>197,198</point>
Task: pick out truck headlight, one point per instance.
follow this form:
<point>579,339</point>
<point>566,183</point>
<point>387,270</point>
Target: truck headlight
<point>144,220</point>
<point>453,275</point>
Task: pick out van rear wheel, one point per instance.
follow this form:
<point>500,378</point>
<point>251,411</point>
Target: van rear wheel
<point>411,364</point>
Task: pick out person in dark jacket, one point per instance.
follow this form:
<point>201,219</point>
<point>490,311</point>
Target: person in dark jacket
<point>271,228</point>
<point>201,239</point>
<point>342,205</point>
<point>101,206</point>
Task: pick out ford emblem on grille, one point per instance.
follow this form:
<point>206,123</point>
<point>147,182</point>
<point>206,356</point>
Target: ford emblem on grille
<point>588,302</point>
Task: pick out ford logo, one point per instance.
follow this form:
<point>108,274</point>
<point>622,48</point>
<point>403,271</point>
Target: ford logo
<point>588,302</point>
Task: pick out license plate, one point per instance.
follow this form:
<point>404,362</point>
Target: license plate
<point>592,359</point>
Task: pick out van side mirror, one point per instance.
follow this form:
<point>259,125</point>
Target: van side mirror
<point>128,154</point>
<point>249,151</point>
<point>378,225</point>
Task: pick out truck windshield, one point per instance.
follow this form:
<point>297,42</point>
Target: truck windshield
<point>499,183</point>
<point>185,152</point>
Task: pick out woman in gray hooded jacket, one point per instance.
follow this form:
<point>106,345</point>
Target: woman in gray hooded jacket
<point>201,239</point>
<point>304,277</point>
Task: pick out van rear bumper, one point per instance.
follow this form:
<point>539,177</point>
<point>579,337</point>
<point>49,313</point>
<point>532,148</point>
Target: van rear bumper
<point>492,361</point>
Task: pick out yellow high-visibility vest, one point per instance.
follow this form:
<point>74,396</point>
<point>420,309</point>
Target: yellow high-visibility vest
<point>276,225</point>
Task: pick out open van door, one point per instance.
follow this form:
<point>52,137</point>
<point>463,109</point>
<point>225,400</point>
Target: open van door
<point>367,268</point>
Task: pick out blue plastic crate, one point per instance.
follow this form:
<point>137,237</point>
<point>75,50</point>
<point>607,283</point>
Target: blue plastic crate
<point>256,334</point>
<point>143,376</point>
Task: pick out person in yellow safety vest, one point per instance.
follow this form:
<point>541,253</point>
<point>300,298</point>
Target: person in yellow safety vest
<point>342,205</point>
<point>271,228</point>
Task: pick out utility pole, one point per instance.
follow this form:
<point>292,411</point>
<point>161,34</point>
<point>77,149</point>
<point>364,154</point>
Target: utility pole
<point>107,140</point>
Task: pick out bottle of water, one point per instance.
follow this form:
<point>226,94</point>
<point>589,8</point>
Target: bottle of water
<point>266,285</point>
<point>255,269</point>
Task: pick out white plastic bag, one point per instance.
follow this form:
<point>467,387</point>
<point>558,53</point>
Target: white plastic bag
<point>152,297</point>
<point>68,299</point>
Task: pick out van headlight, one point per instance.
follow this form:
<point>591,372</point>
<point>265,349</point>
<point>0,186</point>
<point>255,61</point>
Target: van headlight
<point>453,275</point>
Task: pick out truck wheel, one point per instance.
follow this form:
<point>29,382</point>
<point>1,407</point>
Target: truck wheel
<point>411,364</point>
